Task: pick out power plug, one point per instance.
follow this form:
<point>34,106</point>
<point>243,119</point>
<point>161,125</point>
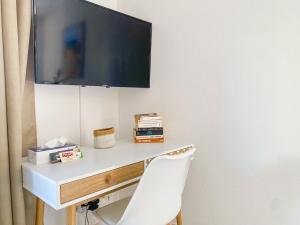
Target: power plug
<point>93,205</point>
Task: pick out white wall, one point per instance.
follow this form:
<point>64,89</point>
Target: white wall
<point>74,112</point>
<point>107,3</point>
<point>57,112</point>
<point>225,75</point>
<point>99,109</point>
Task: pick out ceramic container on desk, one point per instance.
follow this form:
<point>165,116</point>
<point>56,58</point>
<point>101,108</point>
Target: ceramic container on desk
<point>104,138</point>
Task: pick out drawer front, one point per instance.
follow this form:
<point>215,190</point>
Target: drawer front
<point>79,188</point>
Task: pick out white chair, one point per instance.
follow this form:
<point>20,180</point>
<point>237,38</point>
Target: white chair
<point>157,199</point>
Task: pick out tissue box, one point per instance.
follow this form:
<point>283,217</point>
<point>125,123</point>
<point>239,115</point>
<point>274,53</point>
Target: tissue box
<point>39,155</point>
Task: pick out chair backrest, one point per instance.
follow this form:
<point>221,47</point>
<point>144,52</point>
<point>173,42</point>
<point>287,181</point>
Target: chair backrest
<point>157,199</point>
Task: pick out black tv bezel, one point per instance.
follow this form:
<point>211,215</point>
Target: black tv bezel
<point>33,23</point>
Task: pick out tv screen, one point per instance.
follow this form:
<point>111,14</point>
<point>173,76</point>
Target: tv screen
<point>80,43</point>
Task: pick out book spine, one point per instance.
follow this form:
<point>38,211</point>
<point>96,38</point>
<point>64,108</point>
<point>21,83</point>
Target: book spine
<point>149,132</point>
<point>150,128</point>
<point>149,121</point>
<point>149,118</point>
<point>149,137</point>
<point>153,140</point>
<point>138,116</point>
<point>149,125</point>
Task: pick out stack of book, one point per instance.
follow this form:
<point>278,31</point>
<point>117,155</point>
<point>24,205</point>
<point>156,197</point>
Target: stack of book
<point>148,128</point>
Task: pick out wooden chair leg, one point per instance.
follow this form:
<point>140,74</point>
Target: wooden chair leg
<point>179,218</point>
<point>40,209</point>
<point>71,215</point>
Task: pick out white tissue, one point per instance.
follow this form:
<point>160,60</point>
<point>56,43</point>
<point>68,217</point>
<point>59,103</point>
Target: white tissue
<point>55,143</point>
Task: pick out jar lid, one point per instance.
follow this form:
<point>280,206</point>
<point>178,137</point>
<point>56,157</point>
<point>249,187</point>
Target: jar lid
<point>105,131</point>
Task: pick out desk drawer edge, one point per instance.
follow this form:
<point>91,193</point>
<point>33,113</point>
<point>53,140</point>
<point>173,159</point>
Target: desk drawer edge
<point>85,186</point>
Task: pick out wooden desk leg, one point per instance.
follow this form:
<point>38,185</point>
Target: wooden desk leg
<point>71,214</point>
<point>179,218</point>
<point>40,208</point>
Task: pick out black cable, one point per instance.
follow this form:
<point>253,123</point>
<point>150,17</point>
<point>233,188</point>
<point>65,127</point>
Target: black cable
<point>86,222</point>
<point>85,215</point>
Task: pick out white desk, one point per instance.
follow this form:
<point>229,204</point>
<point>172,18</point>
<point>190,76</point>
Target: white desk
<point>100,172</point>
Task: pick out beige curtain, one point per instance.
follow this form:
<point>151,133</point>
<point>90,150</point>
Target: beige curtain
<point>14,38</point>
<point>29,128</point>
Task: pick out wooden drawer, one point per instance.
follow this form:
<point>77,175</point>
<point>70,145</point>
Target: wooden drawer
<point>79,188</point>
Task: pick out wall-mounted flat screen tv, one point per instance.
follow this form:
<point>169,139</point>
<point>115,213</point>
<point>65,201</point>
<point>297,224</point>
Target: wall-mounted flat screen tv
<point>80,43</point>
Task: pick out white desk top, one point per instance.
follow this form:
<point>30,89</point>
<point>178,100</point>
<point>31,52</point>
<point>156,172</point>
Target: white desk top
<point>101,160</point>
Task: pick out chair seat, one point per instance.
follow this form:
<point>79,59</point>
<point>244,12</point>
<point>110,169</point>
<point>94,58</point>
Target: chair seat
<point>111,214</point>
